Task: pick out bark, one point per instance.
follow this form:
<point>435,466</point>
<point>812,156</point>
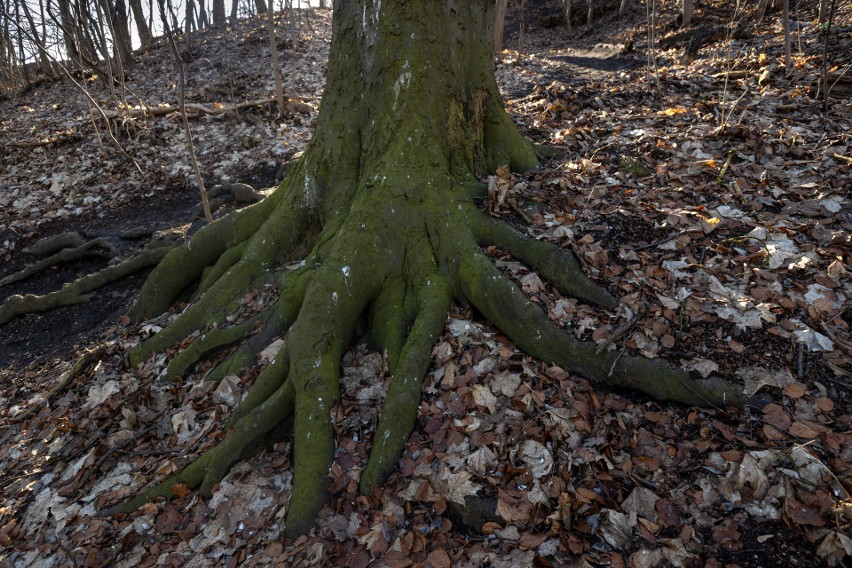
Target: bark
<point>276,64</point>
<point>142,28</point>
<point>218,13</point>
<point>380,209</point>
<point>788,40</point>
<point>499,21</point>
<point>121,34</point>
<point>686,12</point>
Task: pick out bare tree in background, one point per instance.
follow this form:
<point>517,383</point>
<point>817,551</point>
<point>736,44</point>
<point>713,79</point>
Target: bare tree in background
<point>566,12</point>
<point>788,60</point>
<point>276,65</point>
<point>499,21</point>
<point>686,12</point>
<point>39,38</point>
<point>219,13</point>
<point>145,36</point>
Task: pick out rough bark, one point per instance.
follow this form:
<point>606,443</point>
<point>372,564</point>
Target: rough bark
<point>380,208</point>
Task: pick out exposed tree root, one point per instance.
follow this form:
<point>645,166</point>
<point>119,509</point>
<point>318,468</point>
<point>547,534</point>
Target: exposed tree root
<point>100,246</point>
<point>77,292</point>
<point>380,211</point>
<point>227,193</point>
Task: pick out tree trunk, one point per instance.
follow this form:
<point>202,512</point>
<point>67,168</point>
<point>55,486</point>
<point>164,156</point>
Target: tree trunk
<point>788,40</point>
<point>380,207</point>
<point>202,16</point>
<point>145,37</point>
<point>276,63</point>
<point>499,21</point>
<point>121,34</point>
<point>261,6</point>
<point>218,13</point>
<point>68,23</point>
<point>686,12</point>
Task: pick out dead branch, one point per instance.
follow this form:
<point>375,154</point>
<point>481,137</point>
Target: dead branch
<point>298,104</point>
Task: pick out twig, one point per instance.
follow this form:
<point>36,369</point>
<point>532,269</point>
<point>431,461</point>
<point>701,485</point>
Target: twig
<point>825,59</point>
<point>615,361</point>
<point>620,332</point>
<point>64,380</point>
<point>839,343</point>
<point>662,241</point>
<point>517,209</point>
<point>299,104</point>
<point>182,105</point>
<point>800,360</point>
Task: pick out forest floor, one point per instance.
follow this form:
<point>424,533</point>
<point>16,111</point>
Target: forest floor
<point>711,194</point>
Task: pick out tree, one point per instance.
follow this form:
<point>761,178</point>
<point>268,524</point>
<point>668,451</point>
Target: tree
<point>380,209</point>
<point>145,36</point>
<point>499,21</point>
<point>686,10</point>
<point>219,13</point>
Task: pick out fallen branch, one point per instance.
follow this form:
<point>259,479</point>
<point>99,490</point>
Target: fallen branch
<point>298,104</point>
<point>621,331</point>
<point>81,363</point>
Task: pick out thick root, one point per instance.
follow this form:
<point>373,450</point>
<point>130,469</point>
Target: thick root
<point>76,292</point>
<point>557,265</point>
<point>403,398</point>
<point>500,300</point>
<point>209,342</point>
<point>101,246</point>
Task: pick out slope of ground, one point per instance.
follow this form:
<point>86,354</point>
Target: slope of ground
<point>711,195</point>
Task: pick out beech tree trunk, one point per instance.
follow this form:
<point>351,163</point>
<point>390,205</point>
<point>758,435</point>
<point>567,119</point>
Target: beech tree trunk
<point>380,208</point>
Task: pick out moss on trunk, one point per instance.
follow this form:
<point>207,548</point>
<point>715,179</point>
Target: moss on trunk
<point>379,207</point>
